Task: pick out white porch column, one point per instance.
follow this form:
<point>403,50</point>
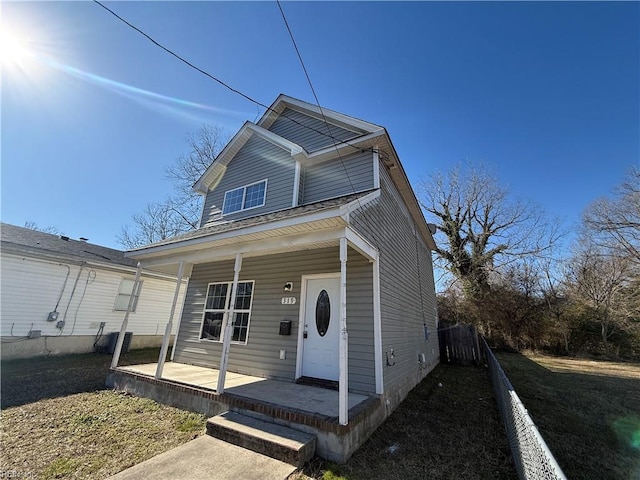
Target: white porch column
<point>125,321</point>
<point>167,330</point>
<point>228,321</point>
<point>343,385</point>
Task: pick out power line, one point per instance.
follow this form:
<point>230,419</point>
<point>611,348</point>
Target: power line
<point>227,86</point>
<point>293,40</point>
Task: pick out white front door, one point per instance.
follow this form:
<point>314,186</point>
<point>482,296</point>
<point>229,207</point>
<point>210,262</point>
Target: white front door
<point>320,355</point>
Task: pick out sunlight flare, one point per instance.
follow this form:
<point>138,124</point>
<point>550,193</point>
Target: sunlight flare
<point>13,48</point>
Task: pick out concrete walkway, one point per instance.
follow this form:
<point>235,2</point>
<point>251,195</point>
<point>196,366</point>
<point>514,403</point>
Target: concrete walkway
<point>208,458</point>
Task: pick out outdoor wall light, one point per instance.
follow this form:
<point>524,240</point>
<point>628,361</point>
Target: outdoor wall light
<point>288,286</point>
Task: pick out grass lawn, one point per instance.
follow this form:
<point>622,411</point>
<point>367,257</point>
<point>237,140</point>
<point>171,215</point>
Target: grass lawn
<point>58,421</point>
<point>587,411</point>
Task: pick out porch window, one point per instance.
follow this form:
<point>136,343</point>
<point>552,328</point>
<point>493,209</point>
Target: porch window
<point>218,302</point>
<point>245,198</point>
<point>125,290</point>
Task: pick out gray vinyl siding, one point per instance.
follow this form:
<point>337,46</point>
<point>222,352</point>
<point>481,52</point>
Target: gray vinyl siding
<point>406,275</point>
<point>338,177</point>
<point>256,160</point>
<point>260,356</point>
<point>316,137</point>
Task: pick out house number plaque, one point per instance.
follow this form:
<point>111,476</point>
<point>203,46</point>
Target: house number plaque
<point>288,300</point>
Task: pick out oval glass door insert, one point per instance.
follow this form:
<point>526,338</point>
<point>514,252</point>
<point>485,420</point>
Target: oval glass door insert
<point>323,313</point>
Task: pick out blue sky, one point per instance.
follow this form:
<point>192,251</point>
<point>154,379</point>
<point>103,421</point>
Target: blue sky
<point>546,94</point>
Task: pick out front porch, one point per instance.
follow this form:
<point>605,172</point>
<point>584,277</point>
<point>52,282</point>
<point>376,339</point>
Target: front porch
<point>306,408</point>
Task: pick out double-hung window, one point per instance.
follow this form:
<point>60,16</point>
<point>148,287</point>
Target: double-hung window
<point>218,303</point>
<point>244,198</point>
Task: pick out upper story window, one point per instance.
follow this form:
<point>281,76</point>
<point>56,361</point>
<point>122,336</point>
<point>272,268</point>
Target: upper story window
<point>244,198</point>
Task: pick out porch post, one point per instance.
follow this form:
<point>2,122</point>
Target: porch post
<point>167,330</point>
<point>125,322</point>
<point>228,317</point>
<point>343,385</point>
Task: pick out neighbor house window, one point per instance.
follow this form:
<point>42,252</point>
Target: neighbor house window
<point>244,198</point>
<point>124,294</point>
<point>218,302</point>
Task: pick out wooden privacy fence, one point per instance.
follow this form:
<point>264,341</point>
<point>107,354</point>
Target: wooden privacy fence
<point>459,344</point>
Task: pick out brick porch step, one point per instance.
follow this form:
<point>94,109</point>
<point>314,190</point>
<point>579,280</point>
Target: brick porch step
<point>275,441</point>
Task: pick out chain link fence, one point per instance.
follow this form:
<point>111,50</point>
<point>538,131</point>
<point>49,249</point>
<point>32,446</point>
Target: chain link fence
<point>532,457</point>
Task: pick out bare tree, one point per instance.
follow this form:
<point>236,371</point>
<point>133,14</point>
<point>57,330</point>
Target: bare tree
<point>157,222</point>
<point>554,294</point>
<point>481,227</point>
<point>615,223</point>
<point>603,281</point>
<point>180,212</point>
<point>34,226</point>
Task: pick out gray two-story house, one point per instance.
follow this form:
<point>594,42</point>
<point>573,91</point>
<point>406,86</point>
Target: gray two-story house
<point>311,266</point>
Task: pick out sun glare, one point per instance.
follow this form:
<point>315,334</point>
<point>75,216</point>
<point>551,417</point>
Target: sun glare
<point>13,50</point>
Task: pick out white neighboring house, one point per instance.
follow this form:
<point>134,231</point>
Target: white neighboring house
<point>60,295</point>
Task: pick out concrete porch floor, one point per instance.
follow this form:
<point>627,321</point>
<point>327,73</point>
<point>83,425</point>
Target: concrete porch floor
<point>290,395</point>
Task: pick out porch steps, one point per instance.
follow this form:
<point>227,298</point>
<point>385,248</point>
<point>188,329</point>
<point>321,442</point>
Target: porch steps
<point>270,439</point>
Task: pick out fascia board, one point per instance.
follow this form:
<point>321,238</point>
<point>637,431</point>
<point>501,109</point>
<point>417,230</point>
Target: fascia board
<point>217,166</point>
<point>277,140</point>
<point>237,142</point>
<point>400,179</point>
<point>247,248</point>
<point>357,203</point>
<point>194,242</point>
<point>330,153</point>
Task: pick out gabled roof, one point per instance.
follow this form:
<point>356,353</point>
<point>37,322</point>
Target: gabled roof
<point>339,119</point>
<point>27,241</point>
<point>362,131</point>
<point>371,136</point>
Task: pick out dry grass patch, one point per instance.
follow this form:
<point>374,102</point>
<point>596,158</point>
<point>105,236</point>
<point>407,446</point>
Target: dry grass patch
<point>448,427</point>
<point>91,435</point>
<point>58,421</point>
<point>587,411</point>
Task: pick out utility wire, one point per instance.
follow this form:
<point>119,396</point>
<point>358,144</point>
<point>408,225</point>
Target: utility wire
<point>227,86</point>
<point>293,40</point>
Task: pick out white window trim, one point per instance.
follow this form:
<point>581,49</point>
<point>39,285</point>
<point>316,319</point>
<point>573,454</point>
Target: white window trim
<point>244,196</point>
<point>136,296</point>
<point>228,311</point>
